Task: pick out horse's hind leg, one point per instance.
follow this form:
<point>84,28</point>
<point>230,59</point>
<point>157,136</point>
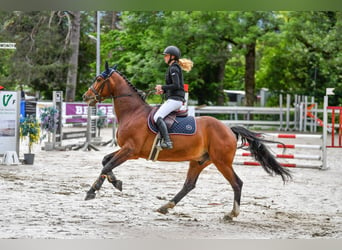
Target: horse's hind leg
<point>224,163</point>
<point>237,186</point>
<point>236,183</point>
<point>195,168</point>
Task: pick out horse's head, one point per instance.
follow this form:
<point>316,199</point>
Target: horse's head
<point>101,87</point>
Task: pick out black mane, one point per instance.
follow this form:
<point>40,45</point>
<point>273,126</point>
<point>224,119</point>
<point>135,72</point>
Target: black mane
<point>110,70</point>
<point>140,93</point>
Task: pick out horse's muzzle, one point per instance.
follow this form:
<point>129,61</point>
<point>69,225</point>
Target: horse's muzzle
<point>90,100</point>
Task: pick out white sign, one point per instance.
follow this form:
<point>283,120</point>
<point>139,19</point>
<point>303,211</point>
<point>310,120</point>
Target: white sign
<point>330,91</point>
<point>9,121</point>
<point>7,46</point>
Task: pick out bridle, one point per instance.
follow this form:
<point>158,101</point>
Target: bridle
<point>97,93</point>
<point>105,75</point>
<point>106,82</point>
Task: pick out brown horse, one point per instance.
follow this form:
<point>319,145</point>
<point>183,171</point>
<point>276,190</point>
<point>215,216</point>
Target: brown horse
<point>213,142</point>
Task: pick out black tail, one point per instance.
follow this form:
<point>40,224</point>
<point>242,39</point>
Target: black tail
<point>260,152</point>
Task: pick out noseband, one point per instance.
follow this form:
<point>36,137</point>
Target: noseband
<point>97,93</point>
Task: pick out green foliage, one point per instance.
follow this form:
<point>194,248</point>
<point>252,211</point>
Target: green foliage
<point>38,63</point>
<point>87,56</point>
<point>101,122</point>
<point>296,52</point>
<point>48,121</point>
<point>305,57</point>
<point>49,118</point>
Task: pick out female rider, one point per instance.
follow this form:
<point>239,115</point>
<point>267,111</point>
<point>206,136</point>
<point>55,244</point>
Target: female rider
<point>173,90</point>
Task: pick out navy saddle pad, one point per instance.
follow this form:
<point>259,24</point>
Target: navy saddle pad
<point>181,125</point>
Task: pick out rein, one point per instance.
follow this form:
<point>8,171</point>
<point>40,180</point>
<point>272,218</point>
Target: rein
<point>98,96</point>
<point>106,75</point>
<point>119,96</point>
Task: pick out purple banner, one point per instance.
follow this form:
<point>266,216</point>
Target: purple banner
<point>81,109</point>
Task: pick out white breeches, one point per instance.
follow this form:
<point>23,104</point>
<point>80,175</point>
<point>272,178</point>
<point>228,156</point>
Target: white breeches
<point>167,107</point>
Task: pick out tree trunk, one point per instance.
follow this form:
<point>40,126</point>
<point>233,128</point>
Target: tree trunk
<point>220,78</point>
<point>115,20</point>
<point>250,74</point>
<point>73,61</point>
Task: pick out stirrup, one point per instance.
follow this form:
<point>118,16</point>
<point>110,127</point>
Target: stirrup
<point>166,144</point>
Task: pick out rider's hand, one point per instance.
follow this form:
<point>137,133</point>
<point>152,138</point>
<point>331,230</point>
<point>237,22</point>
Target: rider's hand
<point>159,89</point>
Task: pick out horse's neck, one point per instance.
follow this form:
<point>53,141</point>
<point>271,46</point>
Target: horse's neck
<point>127,102</point>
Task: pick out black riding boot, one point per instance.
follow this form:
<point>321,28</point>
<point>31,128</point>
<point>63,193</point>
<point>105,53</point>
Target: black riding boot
<point>166,142</point>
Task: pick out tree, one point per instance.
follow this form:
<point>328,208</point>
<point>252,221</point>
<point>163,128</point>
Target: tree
<point>42,59</point>
<point>39,62</point>
<point>74,34</point>
<point>305,56</point>
<point>138,47</point>
<point>211,39</point>
<point>295,52</point>
<point>249,29</point>
<point>5,54</point>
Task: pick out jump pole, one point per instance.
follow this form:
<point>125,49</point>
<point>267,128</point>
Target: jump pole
<point>325,131</point>
<point>94,117</point>
<point>298,164</point>
<point>288,165</point>
<point>57,134</point>
<point>112,141</point>
<point>87,146</point>
<point>328,91</point>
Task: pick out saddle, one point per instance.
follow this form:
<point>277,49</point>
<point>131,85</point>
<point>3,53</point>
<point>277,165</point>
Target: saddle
<point>177,122</point>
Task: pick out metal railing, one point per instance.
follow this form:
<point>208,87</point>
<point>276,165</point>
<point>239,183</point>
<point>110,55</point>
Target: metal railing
<point>298,114</point>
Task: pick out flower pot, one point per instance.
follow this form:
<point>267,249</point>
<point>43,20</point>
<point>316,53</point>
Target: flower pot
<point>28,159</point>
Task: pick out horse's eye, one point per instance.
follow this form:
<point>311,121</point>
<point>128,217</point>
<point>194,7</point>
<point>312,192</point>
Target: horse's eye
<point>98,80</point>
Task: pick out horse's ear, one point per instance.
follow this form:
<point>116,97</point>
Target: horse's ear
<point>115,67</point>
<point>106,66</point>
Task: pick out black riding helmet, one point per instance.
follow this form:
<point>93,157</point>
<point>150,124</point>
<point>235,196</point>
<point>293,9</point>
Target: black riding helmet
<point>172,50</point>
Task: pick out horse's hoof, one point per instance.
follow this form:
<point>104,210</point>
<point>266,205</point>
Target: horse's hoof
<point>90,196</point>
<point>228,218</point>
<point>118,185</point>
<point>162,210</point>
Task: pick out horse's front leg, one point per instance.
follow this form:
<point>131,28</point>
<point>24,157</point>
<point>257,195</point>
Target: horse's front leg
<point>110,162</point>
<point>110,176</point>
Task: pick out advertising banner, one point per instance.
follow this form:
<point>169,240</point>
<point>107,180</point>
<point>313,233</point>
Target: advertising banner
<point>82,109</point>
<point>9,121</point>
<point>77,109</point>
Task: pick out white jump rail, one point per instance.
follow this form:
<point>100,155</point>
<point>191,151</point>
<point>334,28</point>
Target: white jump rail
<point>293,160</point>
<point>93,117</point>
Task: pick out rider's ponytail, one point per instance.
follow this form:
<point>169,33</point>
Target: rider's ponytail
<point>186,64</point>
